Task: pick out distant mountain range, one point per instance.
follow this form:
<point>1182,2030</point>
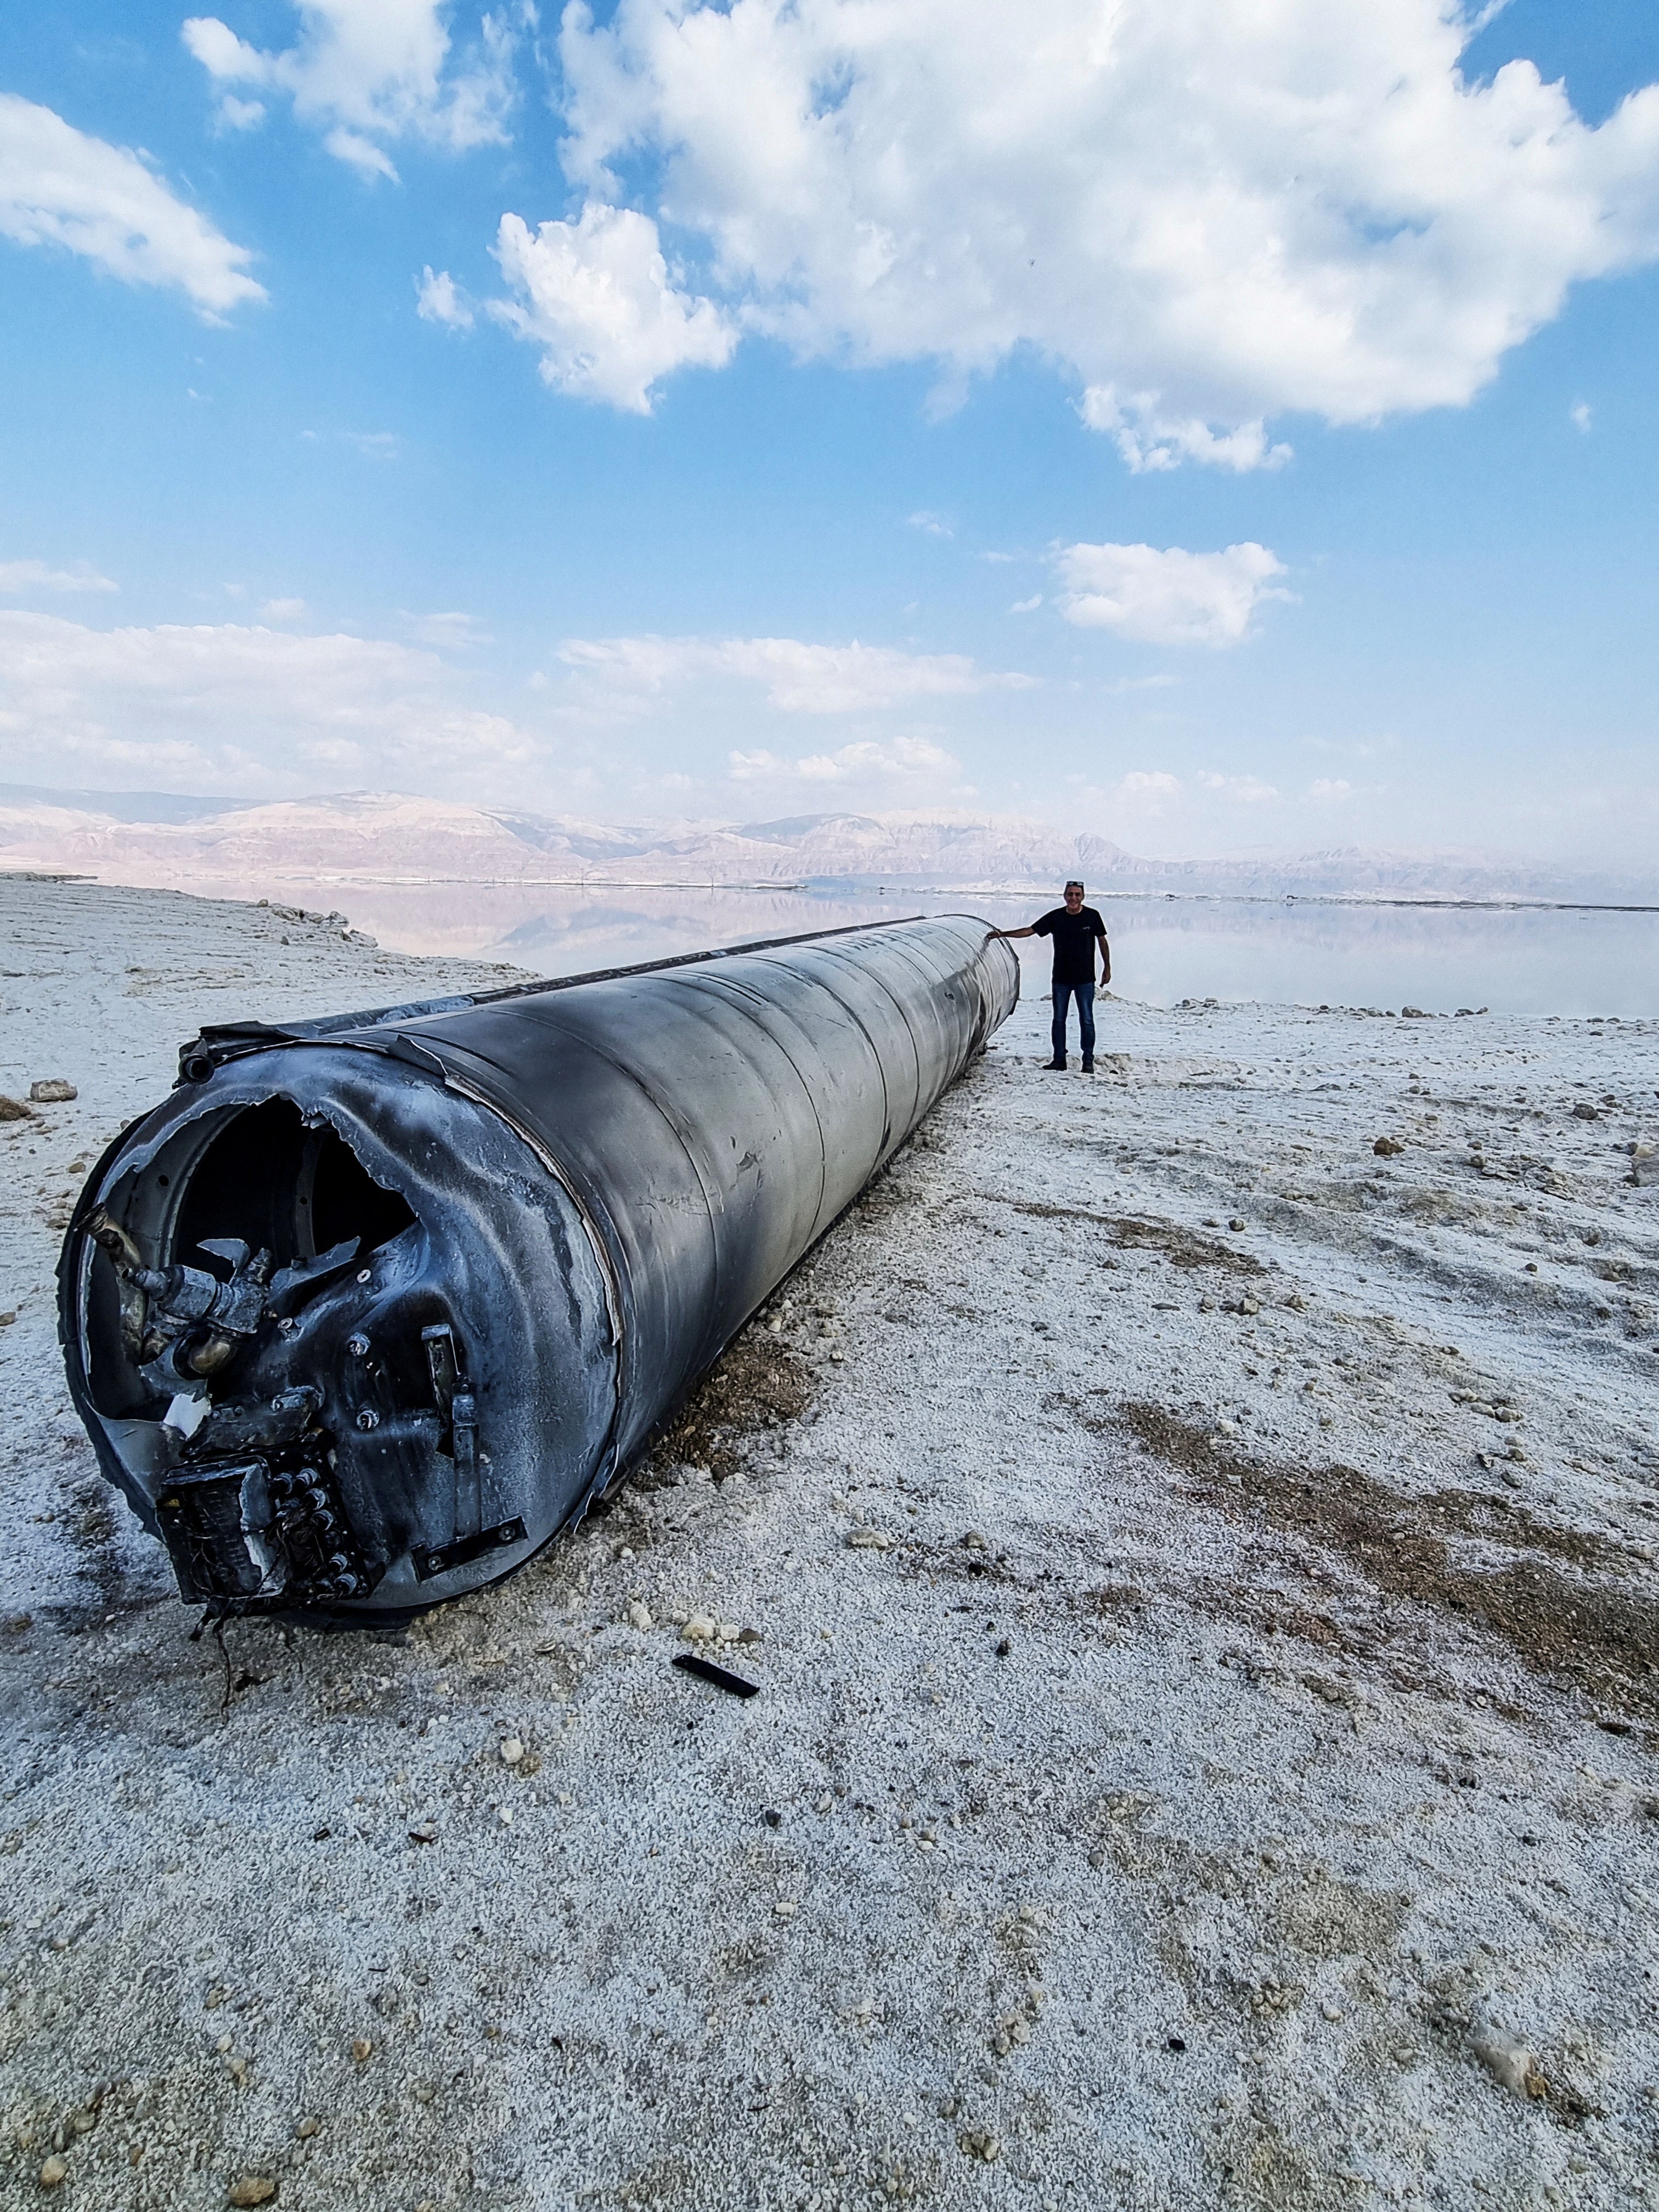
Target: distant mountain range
<point>140,837</point>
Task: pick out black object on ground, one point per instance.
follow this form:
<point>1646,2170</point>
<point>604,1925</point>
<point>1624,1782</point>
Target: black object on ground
<point>707,1671</point>
<point>373,1305</point>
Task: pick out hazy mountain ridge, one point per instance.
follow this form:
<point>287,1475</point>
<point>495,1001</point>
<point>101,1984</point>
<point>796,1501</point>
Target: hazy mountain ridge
<point>139,837</point>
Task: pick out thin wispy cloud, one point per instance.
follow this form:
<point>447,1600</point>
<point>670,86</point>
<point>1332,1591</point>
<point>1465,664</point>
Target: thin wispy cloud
<point>797,678</point>
<point>454,631</point>
<point>1240,790</point>
<point>40,576</point>
<point>902,760</point>
<point>62,187</point>
<point>224,702</point>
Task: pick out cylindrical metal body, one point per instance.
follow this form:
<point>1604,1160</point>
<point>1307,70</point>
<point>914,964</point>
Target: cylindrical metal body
<point>438,1273</point>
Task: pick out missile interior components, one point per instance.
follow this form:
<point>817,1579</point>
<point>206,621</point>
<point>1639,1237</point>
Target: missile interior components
<point>370,1306</point>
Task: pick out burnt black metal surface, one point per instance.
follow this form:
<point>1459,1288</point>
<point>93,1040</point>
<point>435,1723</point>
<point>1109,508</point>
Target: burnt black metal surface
<point>370,1306</point>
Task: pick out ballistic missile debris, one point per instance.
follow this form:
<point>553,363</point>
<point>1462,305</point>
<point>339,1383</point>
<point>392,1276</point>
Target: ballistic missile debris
<point>372,1305</point>
<point>721,1677</point>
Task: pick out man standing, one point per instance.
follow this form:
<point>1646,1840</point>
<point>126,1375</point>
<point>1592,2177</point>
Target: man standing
<point>1074,928</point>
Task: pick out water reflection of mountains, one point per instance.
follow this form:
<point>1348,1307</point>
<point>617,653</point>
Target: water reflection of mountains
<point>1519,960</point>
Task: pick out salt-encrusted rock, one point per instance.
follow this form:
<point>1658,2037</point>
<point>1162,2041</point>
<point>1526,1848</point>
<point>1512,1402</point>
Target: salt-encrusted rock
<point>13,1110</point>
<point>700,1629</point>
<point>639,1614</point>
<point>1511,2064</point>
<point>250,2189</point>
<point>1387,1148</point>
<point>512,1750</point>
<point>53,1091</point>
<point>869,1540</point>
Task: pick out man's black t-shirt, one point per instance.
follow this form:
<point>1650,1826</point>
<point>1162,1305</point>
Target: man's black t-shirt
<point>1074,936</point>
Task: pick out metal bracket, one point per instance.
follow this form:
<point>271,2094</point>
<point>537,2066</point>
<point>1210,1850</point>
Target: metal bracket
<point>460,1555</point>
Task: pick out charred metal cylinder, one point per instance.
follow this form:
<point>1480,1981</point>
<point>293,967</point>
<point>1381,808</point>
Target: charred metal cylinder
<point>371,1306</point>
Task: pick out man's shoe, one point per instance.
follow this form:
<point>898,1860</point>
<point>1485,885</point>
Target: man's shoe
<point>1088,1064</point>
<point>1052,1066</point>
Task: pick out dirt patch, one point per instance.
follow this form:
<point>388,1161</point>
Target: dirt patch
<point>756,1383</point>
<point>1182,1248</point>
<point>1577,1627</point>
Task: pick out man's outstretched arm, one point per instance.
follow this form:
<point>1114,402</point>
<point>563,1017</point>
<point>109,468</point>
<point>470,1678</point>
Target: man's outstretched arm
<point>1014,932</point>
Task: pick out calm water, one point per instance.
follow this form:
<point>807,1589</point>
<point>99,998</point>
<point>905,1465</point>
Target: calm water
<point>1524,961</point>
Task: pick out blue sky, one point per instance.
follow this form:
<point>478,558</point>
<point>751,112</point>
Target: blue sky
<point>1215,425</point>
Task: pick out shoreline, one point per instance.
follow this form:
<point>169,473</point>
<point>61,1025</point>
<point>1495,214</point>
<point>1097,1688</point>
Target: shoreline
<point>850,887</point>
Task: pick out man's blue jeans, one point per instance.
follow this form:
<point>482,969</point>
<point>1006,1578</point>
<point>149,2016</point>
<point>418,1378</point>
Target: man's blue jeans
<point>1085,1017</point>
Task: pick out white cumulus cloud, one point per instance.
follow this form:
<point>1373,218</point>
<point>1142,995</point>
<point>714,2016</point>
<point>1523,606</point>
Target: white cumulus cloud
<point>597,297</point>
<point>367,72</point>
<point>60,187</point>
<point>799,679</point>
<point>438,299</point>
<point>1206,212</point>
<point>1167,598</point>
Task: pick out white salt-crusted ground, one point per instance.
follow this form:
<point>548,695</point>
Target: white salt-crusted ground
<point>1230,1783</point>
